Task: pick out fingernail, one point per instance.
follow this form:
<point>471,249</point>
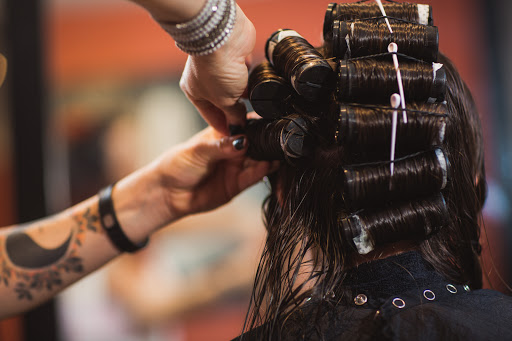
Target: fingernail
<point>235,129</point>
<point>239,143</point>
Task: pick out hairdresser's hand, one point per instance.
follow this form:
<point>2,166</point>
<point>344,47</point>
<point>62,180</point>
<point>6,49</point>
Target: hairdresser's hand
<point>206,172</point>
<point>199,175</point>
<point>215,83</point>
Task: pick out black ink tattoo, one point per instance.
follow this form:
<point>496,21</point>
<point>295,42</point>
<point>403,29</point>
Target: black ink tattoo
<point>29,268</point>
<point>86,221</point>
<point>91,220</point>
<point>24,252</point>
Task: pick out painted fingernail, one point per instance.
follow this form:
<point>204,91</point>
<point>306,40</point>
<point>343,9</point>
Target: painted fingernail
<point>235,129</point>
<point>239,143</point>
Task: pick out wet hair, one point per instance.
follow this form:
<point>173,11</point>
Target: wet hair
<point>363,10</point>
<point>353,39</point>
<point>334,198</point>
<point>360,77</point>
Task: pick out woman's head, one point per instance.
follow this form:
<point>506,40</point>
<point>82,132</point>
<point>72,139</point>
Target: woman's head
<point>334,197</point>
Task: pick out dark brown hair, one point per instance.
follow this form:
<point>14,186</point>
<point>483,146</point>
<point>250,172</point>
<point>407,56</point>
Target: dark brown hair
<point>307,252</point>
<point>337,195</point>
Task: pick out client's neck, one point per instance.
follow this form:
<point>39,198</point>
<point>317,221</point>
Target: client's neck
<point>384,252</point>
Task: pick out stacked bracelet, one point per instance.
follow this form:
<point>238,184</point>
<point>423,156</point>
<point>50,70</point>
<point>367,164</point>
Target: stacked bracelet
<point>207,31</point>
<point>110,224</point>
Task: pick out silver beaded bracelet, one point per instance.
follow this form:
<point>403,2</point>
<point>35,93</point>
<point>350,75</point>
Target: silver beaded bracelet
<point>207,31</point>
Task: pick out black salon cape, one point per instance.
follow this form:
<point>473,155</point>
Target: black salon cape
<point>454,312</point>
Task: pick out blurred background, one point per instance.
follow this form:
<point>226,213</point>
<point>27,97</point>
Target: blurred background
<point>92,93</point>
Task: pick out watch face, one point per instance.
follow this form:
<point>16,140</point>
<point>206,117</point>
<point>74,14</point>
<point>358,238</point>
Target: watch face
<point>3,68</point>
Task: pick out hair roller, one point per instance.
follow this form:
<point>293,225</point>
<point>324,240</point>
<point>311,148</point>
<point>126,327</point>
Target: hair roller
<point>439,85</point>
<point>371,80</point>
<point>295,139</point>
<point>330,15</point>
<point>416,13</point>
<point>284,139</point>
<point>413,220</point>
<point>269,93</point>
<point>300,63</point>
<point>263,136</point>
<point>370,126</point>
<point>363,38</point>
<point>417,175</point>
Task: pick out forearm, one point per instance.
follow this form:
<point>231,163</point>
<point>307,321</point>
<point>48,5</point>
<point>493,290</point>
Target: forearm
<point>39,259</point>
<point>172,11</point>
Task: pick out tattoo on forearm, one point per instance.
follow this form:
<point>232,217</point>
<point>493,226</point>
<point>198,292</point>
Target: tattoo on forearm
<point>24,252</point>
<point>89,221</point>
<point>28,267</point>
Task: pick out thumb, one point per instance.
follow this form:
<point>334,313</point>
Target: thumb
<point>227,147</point>
<point>214,116</point>
<point>235,114</point>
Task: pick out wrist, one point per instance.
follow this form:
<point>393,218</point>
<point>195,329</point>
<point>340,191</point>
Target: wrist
<point>208,31</point>
<point>139,204</point>
<point>239,44</point>
<point>110,223</point>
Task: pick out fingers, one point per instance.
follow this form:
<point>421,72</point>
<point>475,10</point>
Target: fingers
<point>253,172</point>
<point>253,115</point>
<point>232,146</point>
<point>235,114</point>
<point>212,115</point>
<point>234,117</point>
<point>216,82</point>
<point>242,172</point>
<point>221,119</point>
<point>211,148</point>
